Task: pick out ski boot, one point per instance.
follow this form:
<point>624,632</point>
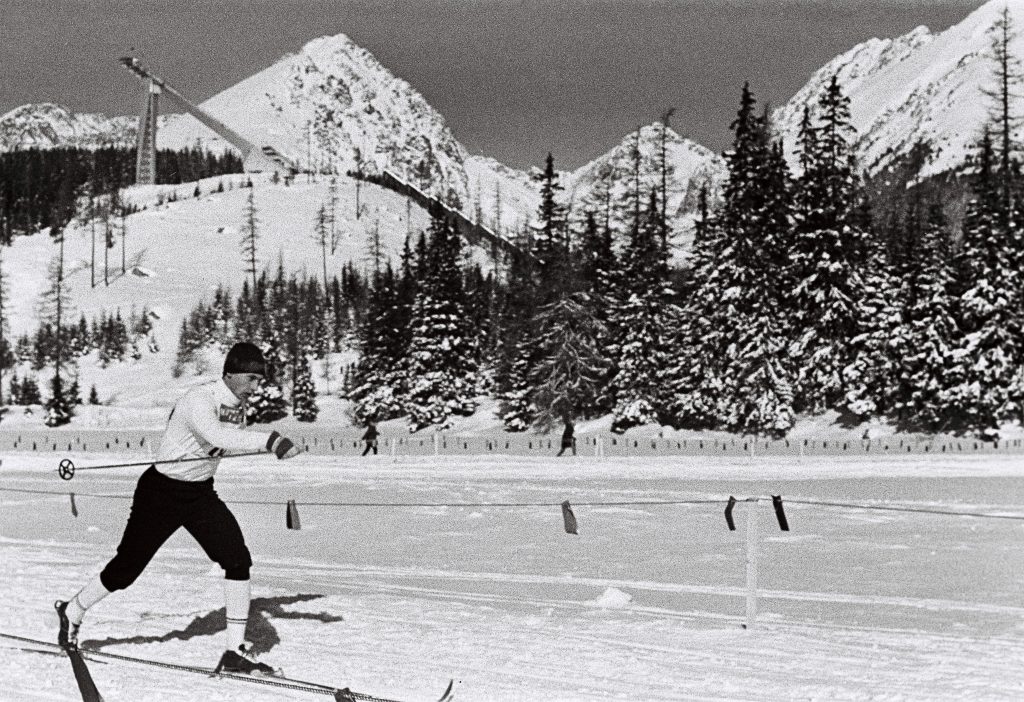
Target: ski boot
<point>242,662</point>
<point>67,635</point>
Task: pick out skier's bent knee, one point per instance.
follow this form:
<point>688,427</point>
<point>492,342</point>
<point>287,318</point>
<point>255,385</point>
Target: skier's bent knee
<point>236,572</point>
<point>118,579</point>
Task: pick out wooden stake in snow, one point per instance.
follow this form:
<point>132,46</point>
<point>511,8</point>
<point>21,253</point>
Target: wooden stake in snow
<point>752,536</point>
<point>569,518</point>
<point>291,518</point>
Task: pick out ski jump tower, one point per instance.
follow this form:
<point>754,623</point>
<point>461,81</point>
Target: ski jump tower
<point>254,158</point>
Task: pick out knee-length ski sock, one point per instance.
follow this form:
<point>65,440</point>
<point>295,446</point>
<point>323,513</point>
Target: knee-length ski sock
<point>93,592</point>
<point>236,606</point>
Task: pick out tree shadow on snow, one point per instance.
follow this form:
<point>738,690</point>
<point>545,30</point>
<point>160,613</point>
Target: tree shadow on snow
<point>260,631</point>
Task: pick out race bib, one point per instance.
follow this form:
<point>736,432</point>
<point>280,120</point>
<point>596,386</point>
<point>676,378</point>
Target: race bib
<point>231,415</point>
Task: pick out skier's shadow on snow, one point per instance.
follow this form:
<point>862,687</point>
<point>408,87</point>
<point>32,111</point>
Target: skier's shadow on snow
<point>260,631</point>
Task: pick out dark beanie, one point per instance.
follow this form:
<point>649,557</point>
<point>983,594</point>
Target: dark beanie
<point>245,358</point>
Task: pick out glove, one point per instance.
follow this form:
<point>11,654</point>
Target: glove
<point>281,446</point>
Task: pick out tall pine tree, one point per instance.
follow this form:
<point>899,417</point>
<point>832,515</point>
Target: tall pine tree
<point>642,321</point>
<point>442,367</point>
<point>731,369</point>
<point>828,257</point>
<point>988,353</point>
<point>304,405</point>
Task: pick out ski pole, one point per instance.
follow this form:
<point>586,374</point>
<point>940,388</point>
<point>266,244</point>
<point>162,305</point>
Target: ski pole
<point>67,468</point>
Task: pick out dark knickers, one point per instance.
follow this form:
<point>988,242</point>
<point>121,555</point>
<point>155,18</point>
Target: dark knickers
<point>160,506</point>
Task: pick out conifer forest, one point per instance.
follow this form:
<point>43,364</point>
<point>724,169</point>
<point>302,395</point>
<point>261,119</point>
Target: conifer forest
<point>802,292</point>
<point>796,298</point>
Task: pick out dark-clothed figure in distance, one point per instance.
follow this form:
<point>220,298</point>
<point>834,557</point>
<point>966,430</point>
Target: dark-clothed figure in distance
<point>370,437</point>
<point>568,437</point>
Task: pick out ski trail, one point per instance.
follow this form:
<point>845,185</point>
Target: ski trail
<point>325,574</point>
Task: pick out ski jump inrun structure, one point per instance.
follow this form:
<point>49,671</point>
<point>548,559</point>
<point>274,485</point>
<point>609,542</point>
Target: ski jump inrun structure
<point>267,158</point>
<point>254,158</point>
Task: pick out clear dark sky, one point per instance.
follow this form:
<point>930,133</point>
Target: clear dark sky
<point>513,78</point>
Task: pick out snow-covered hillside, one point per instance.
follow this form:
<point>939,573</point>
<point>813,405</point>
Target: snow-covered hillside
<point>918,88</point>
<point>47,125</point>
<point>495,187</point>
<point>178,252</point>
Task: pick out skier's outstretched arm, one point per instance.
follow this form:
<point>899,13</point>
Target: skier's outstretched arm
<point>203,421</point>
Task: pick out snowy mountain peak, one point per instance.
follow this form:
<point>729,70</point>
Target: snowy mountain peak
<point>690,167</point>
<point>333,107</point>
<point>921,88</point>
<point>47,125</point>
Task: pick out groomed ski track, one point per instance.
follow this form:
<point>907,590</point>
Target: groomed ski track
<point>280,682</point>
<point>646,604</point>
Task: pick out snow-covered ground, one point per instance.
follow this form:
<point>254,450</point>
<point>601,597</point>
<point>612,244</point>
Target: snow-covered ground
<point>646,603</point>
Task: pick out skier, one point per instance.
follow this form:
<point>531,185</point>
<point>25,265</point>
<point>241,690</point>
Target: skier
<point>172,495</point>
<point>568,436</point>
<point>370,437</point>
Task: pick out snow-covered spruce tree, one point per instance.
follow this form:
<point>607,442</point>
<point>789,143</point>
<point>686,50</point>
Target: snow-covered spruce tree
<point>186,349</point>
<point>923,342</point>
<point>55,308</point>
<point>666,169</point>
<point>761,394</point>
<point>642,319</point>
<point>30,394</point>
<point>760,376</point>
<point>571,365</point>
<point>533,283</point>
<point>1003,120</point>
<point>828,255</point>
<point>250,237</point>
<point>374,247</point>
<point>322,234</point>
<point>74,394</point>
<point>551,236</point>
<point>379,381</point>
<point>730,369</point>
<point>59,407</point>
<point>873,376</point>
<point>598,270</point>
<point>596,262</point>
<point>694,378</point>
<point>516,407</point>
<point>482,304</point>
<point>267,403</point>
<point>304,406</point>
<point>13,397</point>
<point>516,354</point>
<point>442,367</point>
<point>316,309</point>
<point>986,371</point>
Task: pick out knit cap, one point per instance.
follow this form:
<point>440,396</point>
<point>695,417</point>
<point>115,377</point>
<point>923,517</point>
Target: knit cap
<point>245,358</point>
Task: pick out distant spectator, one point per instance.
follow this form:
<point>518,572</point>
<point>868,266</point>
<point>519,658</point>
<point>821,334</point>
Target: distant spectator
<point>568,437</point>
<point>370,437</point>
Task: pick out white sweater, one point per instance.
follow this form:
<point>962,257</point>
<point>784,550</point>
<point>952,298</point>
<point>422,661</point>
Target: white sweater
<point>205,422</point>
